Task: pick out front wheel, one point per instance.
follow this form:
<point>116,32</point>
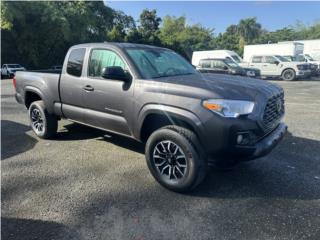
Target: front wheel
<point>288,75</point>
<point>175,158</point>
<point>43,124</point>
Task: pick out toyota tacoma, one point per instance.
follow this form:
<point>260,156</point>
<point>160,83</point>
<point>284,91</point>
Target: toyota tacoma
<point>187,120</point>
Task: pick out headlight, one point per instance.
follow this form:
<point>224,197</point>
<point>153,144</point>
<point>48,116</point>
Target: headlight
<point>229,108</point>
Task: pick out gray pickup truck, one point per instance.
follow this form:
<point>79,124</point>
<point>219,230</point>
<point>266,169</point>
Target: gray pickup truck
<point>186,119</point>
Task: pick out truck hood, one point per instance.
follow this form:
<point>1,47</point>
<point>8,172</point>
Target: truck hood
<point>209,85</point>
<point>293,64</point>
<point>315,62</point>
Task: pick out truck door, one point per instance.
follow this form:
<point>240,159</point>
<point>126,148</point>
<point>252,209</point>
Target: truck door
<point>108,102</point>
<point>220,67</point>
<point>71,84</point>
<point>270,66</point>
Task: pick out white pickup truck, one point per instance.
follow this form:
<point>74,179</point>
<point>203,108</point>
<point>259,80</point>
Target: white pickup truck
<point>9,70</point>
<point>278,66</point>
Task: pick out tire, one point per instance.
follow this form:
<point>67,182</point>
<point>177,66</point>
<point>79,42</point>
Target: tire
<point>288,75</point>
<point>43,124</point>
<point>185,164</point>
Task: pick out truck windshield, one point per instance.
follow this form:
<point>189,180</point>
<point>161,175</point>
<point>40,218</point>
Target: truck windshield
<point>157,63</point>
<point>307,56</point>
<point>236,58</point>
<point>230,63</point>
<point>282,59</point>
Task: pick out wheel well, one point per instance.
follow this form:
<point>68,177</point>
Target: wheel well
<point>288,69</point>
<point>155,121</point>
<point>30,97</point>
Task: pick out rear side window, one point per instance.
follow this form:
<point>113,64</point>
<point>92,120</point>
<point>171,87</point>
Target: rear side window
<point>257,59</point>
<point>75,62</point>
<point>101,58</point>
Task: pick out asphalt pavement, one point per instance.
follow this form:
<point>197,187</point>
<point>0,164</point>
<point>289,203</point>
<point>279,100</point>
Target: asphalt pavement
<point>88,184</point>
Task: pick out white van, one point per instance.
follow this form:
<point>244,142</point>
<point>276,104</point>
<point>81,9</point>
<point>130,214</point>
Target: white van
<point>198,55</point>
<point>311,48</point>
<point>283,49</point>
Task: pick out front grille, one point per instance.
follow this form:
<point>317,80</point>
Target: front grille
<point>313,66</point>
<point>273,111</point>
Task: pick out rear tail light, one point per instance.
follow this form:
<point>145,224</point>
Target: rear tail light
<point>14,81</point>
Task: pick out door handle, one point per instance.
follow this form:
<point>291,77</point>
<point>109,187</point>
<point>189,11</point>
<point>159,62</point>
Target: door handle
<point>88,88</point>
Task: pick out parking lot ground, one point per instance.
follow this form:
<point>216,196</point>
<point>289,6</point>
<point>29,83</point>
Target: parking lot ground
<point>86,184</point>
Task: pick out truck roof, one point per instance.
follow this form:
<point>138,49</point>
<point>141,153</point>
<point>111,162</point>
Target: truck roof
<point>121,45</point>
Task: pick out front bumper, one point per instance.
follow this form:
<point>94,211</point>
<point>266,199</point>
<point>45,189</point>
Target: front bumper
<point>303,73</point>
<point>265,145</point>
<point>220,140</point>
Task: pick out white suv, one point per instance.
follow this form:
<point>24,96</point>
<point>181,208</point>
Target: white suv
<point>278,66</point>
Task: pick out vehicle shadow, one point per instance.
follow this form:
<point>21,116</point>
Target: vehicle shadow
<point>75,131</point>
<point>15,228</point>
<point>124,142</point>
<point>292,171</point>
<point>14,139</point>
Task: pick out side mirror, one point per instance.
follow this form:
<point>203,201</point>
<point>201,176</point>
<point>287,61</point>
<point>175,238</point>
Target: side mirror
<point>115,73</point>
<point>225,68</point>
<point>276,62</point>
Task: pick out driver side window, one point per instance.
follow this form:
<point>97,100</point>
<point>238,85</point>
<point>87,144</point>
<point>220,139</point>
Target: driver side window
<point>101,58</point>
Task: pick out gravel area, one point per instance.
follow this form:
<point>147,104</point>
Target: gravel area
<point>88,184</point>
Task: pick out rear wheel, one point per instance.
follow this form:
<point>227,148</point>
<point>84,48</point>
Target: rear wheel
<point>42,123</point>
<point>288,75</point>
<point>175,158</point>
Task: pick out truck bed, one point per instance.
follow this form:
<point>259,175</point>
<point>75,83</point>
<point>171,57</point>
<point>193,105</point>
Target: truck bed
<point>45,83</point>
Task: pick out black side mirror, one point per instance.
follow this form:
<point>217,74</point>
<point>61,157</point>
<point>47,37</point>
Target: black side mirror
<point>225,68</point>
<point>115,73</point>
<point>276,62</point>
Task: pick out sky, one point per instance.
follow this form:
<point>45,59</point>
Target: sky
<point>219,15</point>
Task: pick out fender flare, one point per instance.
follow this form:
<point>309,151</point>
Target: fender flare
<point>34,90</point>
<point>37,91</point>
<point>170,111</point>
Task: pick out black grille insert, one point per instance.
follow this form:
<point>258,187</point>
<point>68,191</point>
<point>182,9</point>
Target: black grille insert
<point>273,111</point>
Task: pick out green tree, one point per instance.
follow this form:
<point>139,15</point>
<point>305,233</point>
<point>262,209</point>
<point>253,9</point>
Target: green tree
<point>229,40</point>
<point>38,34</point>
<point>249,29</point>
<point>177,35</point>
<point>149,26</point>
